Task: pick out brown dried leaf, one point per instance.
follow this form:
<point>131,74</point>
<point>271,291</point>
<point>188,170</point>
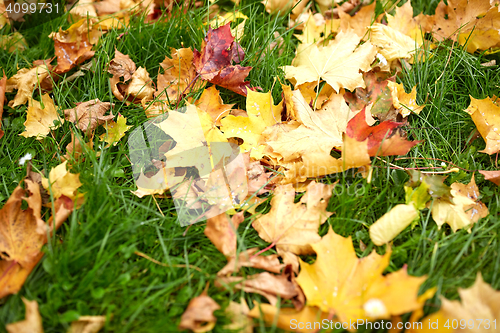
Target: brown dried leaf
<point>198,316</point>
<point>88,115</point>
<point>32,323</point>
<point>247,259</point>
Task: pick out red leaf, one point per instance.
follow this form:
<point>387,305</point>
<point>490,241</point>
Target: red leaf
<point>383,139</point>
<point>214,62</point>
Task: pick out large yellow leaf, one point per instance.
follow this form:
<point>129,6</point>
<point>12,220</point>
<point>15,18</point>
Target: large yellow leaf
<point>339,63</point>
<point>350,288</point>
<point>25,82</point>
<point>392,44</point>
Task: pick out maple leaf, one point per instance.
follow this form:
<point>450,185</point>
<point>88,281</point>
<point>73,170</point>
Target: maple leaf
<point>3,86</point>
<point>248,258</point>
<point>478,301</point>
<point>383,139</point>
<point>350,288</point>
<point>221,230</point>
<point>115,131</point>
<point>261,113</point>
<point>238,313</point>
<point>475,24</point>
<point>62,182</point>
<point>88,115</point>
<point>317,28</point>
<point>40,120</point>
<point>238,32</point>
<point>492,176</point>
<point>25,82</point>
<point>463,210</point>
<point>486,115</point>
<point>74,46</point>
<point>293,226</point>
<point>179,73</point>
<point>213,63</point>
<point>360,22</point>
<point>392,44</point>
<point>211,102</point>
<point>405,103</point>
<point>121,66</point>
<point>338,63</point>
<point>404,22</point>
<point>14,42</point>
<point>32,322</point>
<point>198,316</point>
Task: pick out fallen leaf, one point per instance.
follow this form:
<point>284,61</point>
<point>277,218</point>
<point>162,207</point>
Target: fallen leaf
<point>179,74</point>
<point>386,228</point>
<point>211,102</point>
<point>478,301</point>
<point>492,176</point>
<point>405,103</point>
<point>376,92</point>
<point>40,118</point>
<point>62,182</point>
<point>351,288</point>
<point>88,115</point>
<point>238,31</point>
<point>391,43</point>
<point>261,113</point>
<point>87,324</point>
<point>248,259</point>
<point>339,63</point>
<point>3,86</point>
<point>238,313</point>
<point>294,226</point>
<point>14,42</point>
<point>221,230</point>
<point>404,22</point>
<point>198,316</point>
<point>121,66</point>
<point>475,24</point>
<point>25,82</point>
<point>486,115</point>
<point>140,87</point>
<point>115,131</point>
<point>213,62</point>
<point>360,22</point>
<point>32,322</point>
<point>266,284</point>
<point>383,139</point>
<point>463,210</point>
<point>13,276</point>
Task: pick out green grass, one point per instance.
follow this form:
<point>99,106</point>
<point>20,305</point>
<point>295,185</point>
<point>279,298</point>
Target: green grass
<point>90,268</point>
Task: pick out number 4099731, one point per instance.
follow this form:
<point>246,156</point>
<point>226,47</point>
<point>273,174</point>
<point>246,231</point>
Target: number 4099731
<point>471,324</point>
<point>31,8</point>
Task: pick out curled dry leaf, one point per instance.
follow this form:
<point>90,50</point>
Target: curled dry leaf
<point>266,284</point>
<point>405,103</point>
<point>221,230</point>
<point>25,82</point>
<point>486,115</point>
<point>40,119</point>
<point>313,63</point>
<point>88,115</point>
<point>392,223</point>
<point>492,176</point>
<point>87,324</point>
<point>121,66</point>
<point>294,226</point>
<point>32,322</point>
<point>199,311</point>
<point>248,259</point>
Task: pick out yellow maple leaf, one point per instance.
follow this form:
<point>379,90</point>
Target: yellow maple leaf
<point>355,289</point>
<point>40,120</point>
<point>486,115</point>
<point>404,22</point>
<point>359,22</point>
<point>25,81</point>
<point>115,131</point>
<point>293,226</point>
<point>392,44</point>
<point>261,113</point>
<point>211,102</point>
<point>405,103</point>
<point>62,182</point>
<point>338,64</point>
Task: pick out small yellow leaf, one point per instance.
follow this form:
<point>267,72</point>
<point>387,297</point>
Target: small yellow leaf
<point>62,182</point>
<point>486,115</point>
<point>392,223</point>
<point>40,120</point>
<point>115,131</point>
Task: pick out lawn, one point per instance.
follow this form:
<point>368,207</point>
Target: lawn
<point>91,266</point>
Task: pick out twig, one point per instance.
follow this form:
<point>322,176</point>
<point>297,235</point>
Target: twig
<point>430,158</point>
<point>394,166</point>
